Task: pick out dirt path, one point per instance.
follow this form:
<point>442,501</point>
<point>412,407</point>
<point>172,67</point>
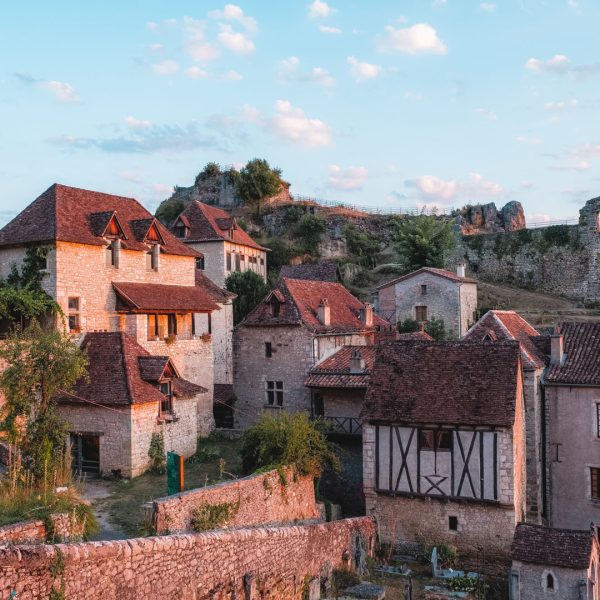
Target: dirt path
<point>95,491</point>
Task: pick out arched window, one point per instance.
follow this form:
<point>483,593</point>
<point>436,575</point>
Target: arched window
<point>549,581</point>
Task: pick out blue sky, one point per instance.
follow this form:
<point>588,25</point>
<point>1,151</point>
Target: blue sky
<point>391,104</point>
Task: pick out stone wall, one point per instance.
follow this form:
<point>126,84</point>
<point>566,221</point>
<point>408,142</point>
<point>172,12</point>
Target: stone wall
<point>528,582</point>
<point>222,340</point>
<point>256,500</point>
<point>266,563</point>
<point>63,527</point>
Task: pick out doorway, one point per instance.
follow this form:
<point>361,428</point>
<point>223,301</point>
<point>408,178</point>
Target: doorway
<point>85,454</point>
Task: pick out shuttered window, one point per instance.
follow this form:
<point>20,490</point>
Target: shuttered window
<point>595,481</point>
<point>421,313</point>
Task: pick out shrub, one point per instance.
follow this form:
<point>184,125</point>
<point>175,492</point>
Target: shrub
<point>361,245</point>
<point>213,516</point>
<point>288,439</point>
<point>308,231</point>
<point>436,328</point>
<point>156,453</point>
<point>212,169</point>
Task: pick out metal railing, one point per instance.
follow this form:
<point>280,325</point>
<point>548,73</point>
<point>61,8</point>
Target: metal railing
<point>345,425</point>
<point>539,224</point>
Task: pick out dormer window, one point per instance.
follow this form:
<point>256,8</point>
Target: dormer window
<point>200,263</point>
<point>112,253</point>
<point>181,230</point>
<point>166,403</point>
<point>275,307</point>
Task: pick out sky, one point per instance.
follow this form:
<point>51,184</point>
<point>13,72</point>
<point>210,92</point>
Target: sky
<point>393,104</point>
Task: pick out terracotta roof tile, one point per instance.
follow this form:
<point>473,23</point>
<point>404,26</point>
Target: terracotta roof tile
<point>414,335</point>
<point>509,325</point>
<point>70,214</point>
<point>335,370</point>
<point>452,383</point>
<point>216,293</point>
<point>121,373</point>
<point>582,362</point>
<point>439,272</point>
<point>144,297</point>
<point>208,223</point>
<point>568,548</point>
<point>322,271</point>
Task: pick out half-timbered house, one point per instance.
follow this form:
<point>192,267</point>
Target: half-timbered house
<point>444,444</point>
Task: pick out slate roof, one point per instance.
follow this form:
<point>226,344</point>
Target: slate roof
<point>322,271</point>
<point>71,214</point>
<point>439,272</point>
<point>446,383</point>
<point>568,548</point>
<point>216,293</point>
<point>334,372</point>
<point>299,301</point>
<point>509,325</point>
<point>582,363</point>
<point>122,373</point>
<point>154,297</point>
<point>211,224</point>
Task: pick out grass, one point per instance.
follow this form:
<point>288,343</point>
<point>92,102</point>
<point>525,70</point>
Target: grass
<point>124,504</point>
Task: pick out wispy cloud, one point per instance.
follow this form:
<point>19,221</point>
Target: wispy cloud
<point>347,180</point>
<point>236,41</point>
<point>289,70</point>
<point>166,67</point>
<point>487,7</point>
<point>330,30</point>
<point>320,10</point>
<point>490,115</point>
<point>363,71</point>
<point>421,38</point>
<point>445,191</point>
<point>61,90</point>
<point>525,139</point>
<point>560,64</point>
<point>232,12</point>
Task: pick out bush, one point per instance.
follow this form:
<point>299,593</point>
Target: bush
<point>436,328</point>
<point>213,516</point>
<point>250,289</point>
<point>156,453</point>
<point>362,246</point>
<point>288,440</point>
<point>308,231</point>
<point>212,169</point>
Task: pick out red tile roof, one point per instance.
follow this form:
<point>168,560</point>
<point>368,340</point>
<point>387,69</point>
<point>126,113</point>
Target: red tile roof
<point>144,297</point>
<point>216,293</point>
<point>439,272</point>
<point>322,271</point>
<point>334,372</point>
<point>509,325</point>
<point>70,214</point>
<point>122,373</point>
<point>208,223</point>
<point>582,362</point>
<point>299,303</point>
<point>414,335</point>
<point>568,548</point>
<point>446,383</point>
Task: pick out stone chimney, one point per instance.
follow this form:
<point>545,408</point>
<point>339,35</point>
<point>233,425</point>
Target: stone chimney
<point>366,314</point>
<point>557,350</point>
<point>324,312</point>
<point>460,269</point>
<point>357,362</point>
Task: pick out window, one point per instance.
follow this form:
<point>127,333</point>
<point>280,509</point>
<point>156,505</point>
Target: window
<point>262,262</point>
<point>166,403</point>
<point>229,261</point>
<point>421,313</point>
<point>152,258</point>
<point>549,581</point>
<point>424,290</point>
<point>180,230</point>
<point>237,262</point>
<point>74,315</point>
<point>268,349</point>
<point>598,420</point>
<point>275,306</point>
<point>453,523</point>
<point>200,263</point>
<point>112,254</point>
<point>595,481</point>
<point>172,324</point>
<point>275,393</point>
<point>432,439</point>
<point>209,322</point>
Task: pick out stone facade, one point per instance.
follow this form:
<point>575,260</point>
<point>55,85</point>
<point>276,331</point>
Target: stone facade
<point>529,581</point>
<point>255,500</point>
<point>533,423</point>
<point>221,331</point>
<point>267,563</point>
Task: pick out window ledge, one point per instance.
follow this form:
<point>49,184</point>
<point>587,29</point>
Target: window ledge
<point>273,406</point>
<point>173,418</point>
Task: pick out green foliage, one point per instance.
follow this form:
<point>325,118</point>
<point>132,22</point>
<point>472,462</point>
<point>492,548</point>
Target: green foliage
<point>281,253</point>
<point>156,453</point>
<point>422,241</point>
<point>308,231</point>
<point>257,181</point>
<point>250,289</point>
<point>293,213</point>
<point>232,176</point>
<point>169,210</point>
<point>464,584</point>
<point>436,328</point>
<point>212,169</point>
<point>213,516</point>
<point>288,440</point>
<point>362,245</point>
<point>475,242</point>
<point>446,555</point>
<point>39,366</point>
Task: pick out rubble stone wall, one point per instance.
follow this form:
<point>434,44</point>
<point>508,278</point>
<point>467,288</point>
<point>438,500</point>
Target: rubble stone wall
<point>266,563</point>
<point>63,527</point>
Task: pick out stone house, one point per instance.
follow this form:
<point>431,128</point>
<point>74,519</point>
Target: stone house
<point>444,445</point>
<point>501,325</point>
<point>571,400</point>
<point>297,325</point>
<point>129,396</point>
<point>552,563</point>
<point>430,293</point>
<point>225,246</point>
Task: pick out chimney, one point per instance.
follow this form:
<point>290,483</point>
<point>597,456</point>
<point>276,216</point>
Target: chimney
<point>460,269</point>
<point>357,362</point>
<point>557,351</point>
<point>366,314</point>
<point>324,312</point>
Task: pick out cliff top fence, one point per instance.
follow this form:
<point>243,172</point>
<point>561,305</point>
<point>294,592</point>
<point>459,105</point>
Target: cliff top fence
<point>274,497</point>
<point>269,563</point>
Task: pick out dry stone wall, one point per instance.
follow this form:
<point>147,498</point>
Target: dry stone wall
<point>63,527</point>
<point>266,563</point>
<point>268,498</point>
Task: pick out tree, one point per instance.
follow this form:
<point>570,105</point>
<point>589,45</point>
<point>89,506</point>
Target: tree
<point>40,365</point>
<point>250,289</point>
<point>308,231</point>
<point>361,245</point>
<point>169,210</point>
<point>211,169</point>
<point>436,328</point>
<point>422,241</point>
<point>288,440</point>
<point>257,181</point>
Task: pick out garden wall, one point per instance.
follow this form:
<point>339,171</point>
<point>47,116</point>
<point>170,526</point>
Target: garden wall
<point>63,527</point>
<point>243,563</point>
<point>267,498</point>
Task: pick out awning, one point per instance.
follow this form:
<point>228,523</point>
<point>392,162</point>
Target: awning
<point>150,297</point>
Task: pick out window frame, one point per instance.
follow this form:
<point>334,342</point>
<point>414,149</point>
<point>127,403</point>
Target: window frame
<point>228,261</point>
<point>112,253</point>
<point>441,440</point>
<point>274,393</point>
<point>423,289</point>
<point>74,312</point>
<point>166,405</point>
<point>421,311</point>
<point>595,483</point>
<point>268,350</point>
<point>152,258</point>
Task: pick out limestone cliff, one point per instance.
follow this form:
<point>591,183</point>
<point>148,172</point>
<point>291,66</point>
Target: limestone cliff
<point>486,218</point>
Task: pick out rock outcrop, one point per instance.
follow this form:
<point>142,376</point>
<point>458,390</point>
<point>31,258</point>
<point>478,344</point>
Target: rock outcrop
<point>486,218</point>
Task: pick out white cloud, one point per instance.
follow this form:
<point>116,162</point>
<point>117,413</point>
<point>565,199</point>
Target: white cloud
<point>61,90</point>
<point>130,176</point>
<point>559,63</point>
<point>488,7</point>
<point>490,115</point>
<point>232,75</point>
<point>235,41</point>
<point>349,179</point>
<point>524,139</point>
<point>166,67</point>
<point>161,190</point>
<point>363,71</point>
<point>251,114</point>
<point>201,50</point>
<point>151,25</point>
<point>135,123</point>
<point>291,124</point>
<point>196,73</point>
<point>421,38</point>
<point>445,191</point>
<point>232,12</point>
<point>289,71</point>
<point>439,3</point>
<point>331,30</point>
<point>561,105</point>
<point>156,47</point>
<point>320,10</point>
